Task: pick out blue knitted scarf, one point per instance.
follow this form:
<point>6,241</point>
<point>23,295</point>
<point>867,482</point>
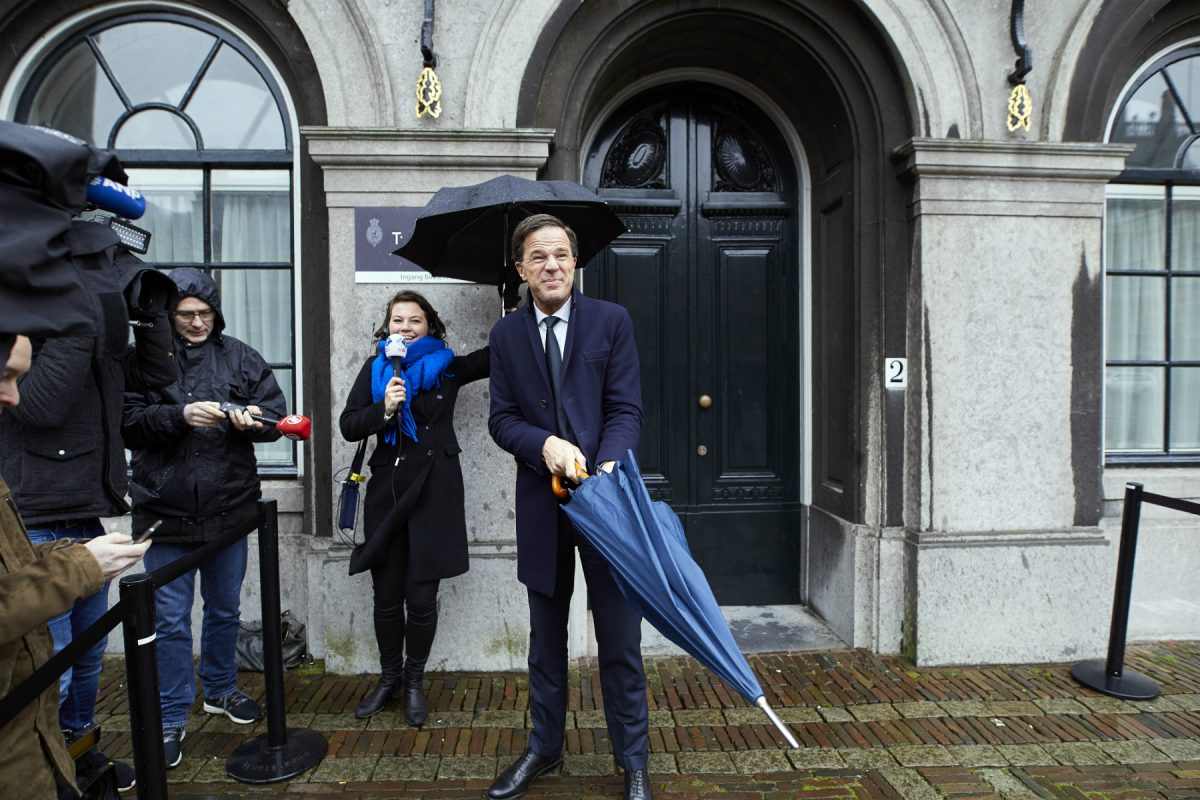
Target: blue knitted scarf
<point>422,369</point>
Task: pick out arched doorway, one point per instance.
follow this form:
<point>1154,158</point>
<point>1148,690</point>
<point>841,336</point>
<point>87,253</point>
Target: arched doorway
<point>711,276</point>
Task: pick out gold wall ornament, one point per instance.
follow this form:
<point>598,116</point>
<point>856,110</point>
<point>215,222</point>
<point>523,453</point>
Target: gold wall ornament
<point>429,94</point>
<point>1020,108</point>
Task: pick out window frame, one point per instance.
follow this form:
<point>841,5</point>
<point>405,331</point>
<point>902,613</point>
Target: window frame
<point>206,160</point>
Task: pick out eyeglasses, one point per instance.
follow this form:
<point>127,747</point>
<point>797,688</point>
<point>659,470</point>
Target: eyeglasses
<point>187,316</point>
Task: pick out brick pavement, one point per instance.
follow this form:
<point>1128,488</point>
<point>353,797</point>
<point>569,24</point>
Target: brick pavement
<point>871,727</point>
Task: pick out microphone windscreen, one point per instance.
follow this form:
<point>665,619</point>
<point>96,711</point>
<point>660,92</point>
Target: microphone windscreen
<point>296,427</point>
<point>395,347</point>
<point>116,198</point>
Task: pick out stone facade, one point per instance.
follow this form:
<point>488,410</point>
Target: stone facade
<point>980,520</point>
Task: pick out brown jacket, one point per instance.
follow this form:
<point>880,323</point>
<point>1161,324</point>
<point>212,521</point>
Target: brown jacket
<point>37,582</point>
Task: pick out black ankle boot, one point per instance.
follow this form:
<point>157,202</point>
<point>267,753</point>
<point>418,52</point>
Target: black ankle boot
<point>378,697</point>
<point>416,710</point>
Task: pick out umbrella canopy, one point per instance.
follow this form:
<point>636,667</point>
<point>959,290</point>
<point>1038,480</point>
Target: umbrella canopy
<point>464,231</point>
<point>643,542</point>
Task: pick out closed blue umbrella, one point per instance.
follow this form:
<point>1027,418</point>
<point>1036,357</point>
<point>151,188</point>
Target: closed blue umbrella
<point>643,542</point>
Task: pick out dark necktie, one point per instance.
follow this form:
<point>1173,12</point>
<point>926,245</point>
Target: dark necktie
<point>554,368</point>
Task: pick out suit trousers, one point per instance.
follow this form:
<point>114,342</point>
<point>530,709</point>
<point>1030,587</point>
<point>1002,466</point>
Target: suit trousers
<point>619,636</point>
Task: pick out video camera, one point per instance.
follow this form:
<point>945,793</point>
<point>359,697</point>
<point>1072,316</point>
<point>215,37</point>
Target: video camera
<point>62,275</point>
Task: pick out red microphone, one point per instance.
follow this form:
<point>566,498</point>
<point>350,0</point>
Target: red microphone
<point>293,426</point>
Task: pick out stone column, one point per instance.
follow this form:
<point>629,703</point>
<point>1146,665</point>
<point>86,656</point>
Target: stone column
<point>1003,462</point>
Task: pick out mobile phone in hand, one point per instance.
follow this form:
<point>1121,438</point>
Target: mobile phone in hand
<point>146,534</point>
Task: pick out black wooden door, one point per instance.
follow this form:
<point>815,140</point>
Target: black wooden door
<point>710,273</point>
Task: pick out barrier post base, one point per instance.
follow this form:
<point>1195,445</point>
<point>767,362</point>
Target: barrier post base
<point>256,761</point>
<point>1129,685</point>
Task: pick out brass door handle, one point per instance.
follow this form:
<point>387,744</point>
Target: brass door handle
<point>705,401</point>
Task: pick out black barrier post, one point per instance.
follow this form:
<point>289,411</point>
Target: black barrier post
<point>1110,676</point>
<point>284,752</point>
<point>141,675</point>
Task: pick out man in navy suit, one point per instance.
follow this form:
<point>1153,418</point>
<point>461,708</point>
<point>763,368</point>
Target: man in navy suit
<point>565,391</point>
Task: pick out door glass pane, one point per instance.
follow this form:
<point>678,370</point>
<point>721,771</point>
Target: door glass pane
<point>174,213</point>
<point>1185,320</point>
<point>77,98</point>
<point>154,61</point>
<point>257,306</point>
<point>1135,231</point>
<point>1151,120</point>
<point>251,216</point>
<point>1185,408</point>
<point>1185,228</point>
<point>234,108</point>
<point>1135,318</point>
<point>1133,408</point>
<point>155,129</point>
<point>279,451</point>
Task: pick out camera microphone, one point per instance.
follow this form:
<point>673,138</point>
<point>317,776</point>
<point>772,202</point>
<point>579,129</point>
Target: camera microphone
<point>396,350</point>
<point>294,426</point>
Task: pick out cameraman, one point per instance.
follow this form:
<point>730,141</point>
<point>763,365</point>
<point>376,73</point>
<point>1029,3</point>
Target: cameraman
<point>62,453</point>
<point>36,582</point>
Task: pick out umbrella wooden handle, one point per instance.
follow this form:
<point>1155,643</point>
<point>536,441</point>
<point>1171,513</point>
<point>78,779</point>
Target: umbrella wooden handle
<point>559,486</point>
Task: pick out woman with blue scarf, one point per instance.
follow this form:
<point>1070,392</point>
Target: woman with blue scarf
<point>416,532</point>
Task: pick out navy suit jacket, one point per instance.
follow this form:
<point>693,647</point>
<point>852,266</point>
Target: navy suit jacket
<point>601,393</point>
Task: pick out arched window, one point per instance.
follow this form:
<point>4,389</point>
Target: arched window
<point>1152,266</point>
<point>201,127</point>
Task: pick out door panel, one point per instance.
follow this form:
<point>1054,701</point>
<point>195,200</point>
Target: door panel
<point>708,192</point>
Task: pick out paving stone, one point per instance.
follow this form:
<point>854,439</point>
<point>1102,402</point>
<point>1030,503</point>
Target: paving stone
<point>499,719</point>
<point>1179,749</point>
<point>818,758</point>
<point>977,755</point>
<point>212,770</point>
<point>1188,701</point>
<point>922,755</point>
<point>1162,704</point>
<point>759,762</point>
<point>186,771</point>
<point>1006,786</point>
<point>332,770</point>
<point>114,723</point>
<point>590,764</point>
<point>796,714</point>
<point>406,768</point>
<point>700,716</point>
<point>1025,755</point>
<point>449,719</point>
<point>1061,705</point>
<point>867,759</point>
<point>659,718</point>
<point>467,768</point>
<point>705,763</point>
<point>964,708</point>
<point>917,710</point>
<point>1077,753</point>
<point>386,721</point>
<point>873,711</point>
<point>834,714</point>
<point>1013,708</point>
<point>662,764</point>
<point>1133,752</point>
<point>1109,705</point>
<point>338,722</point>
<point>910,784</point>
<point>595,719</point>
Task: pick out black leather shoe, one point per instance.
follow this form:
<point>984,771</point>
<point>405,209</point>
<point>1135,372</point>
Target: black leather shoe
<point>377,698</point>
<point>415,708</point>
<point>637,785</point>
<point>516,780</point>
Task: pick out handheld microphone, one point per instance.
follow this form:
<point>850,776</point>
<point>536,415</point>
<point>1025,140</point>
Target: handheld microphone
<point>396,350</point>
<point>116,198</point>
<point>294,426</point>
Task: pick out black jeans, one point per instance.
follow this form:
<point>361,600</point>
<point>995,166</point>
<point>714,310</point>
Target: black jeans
<point>404,608</point>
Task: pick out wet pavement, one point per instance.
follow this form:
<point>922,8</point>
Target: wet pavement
<point>870,727</point>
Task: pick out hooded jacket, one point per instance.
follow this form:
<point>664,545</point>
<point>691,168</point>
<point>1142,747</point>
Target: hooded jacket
<point>200,481</point>
<point>61,449</point>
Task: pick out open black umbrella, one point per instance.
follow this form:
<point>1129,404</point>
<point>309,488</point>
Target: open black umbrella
<point>464,231</point>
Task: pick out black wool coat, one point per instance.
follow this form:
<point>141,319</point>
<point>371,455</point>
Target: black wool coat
<point>415,484</point>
